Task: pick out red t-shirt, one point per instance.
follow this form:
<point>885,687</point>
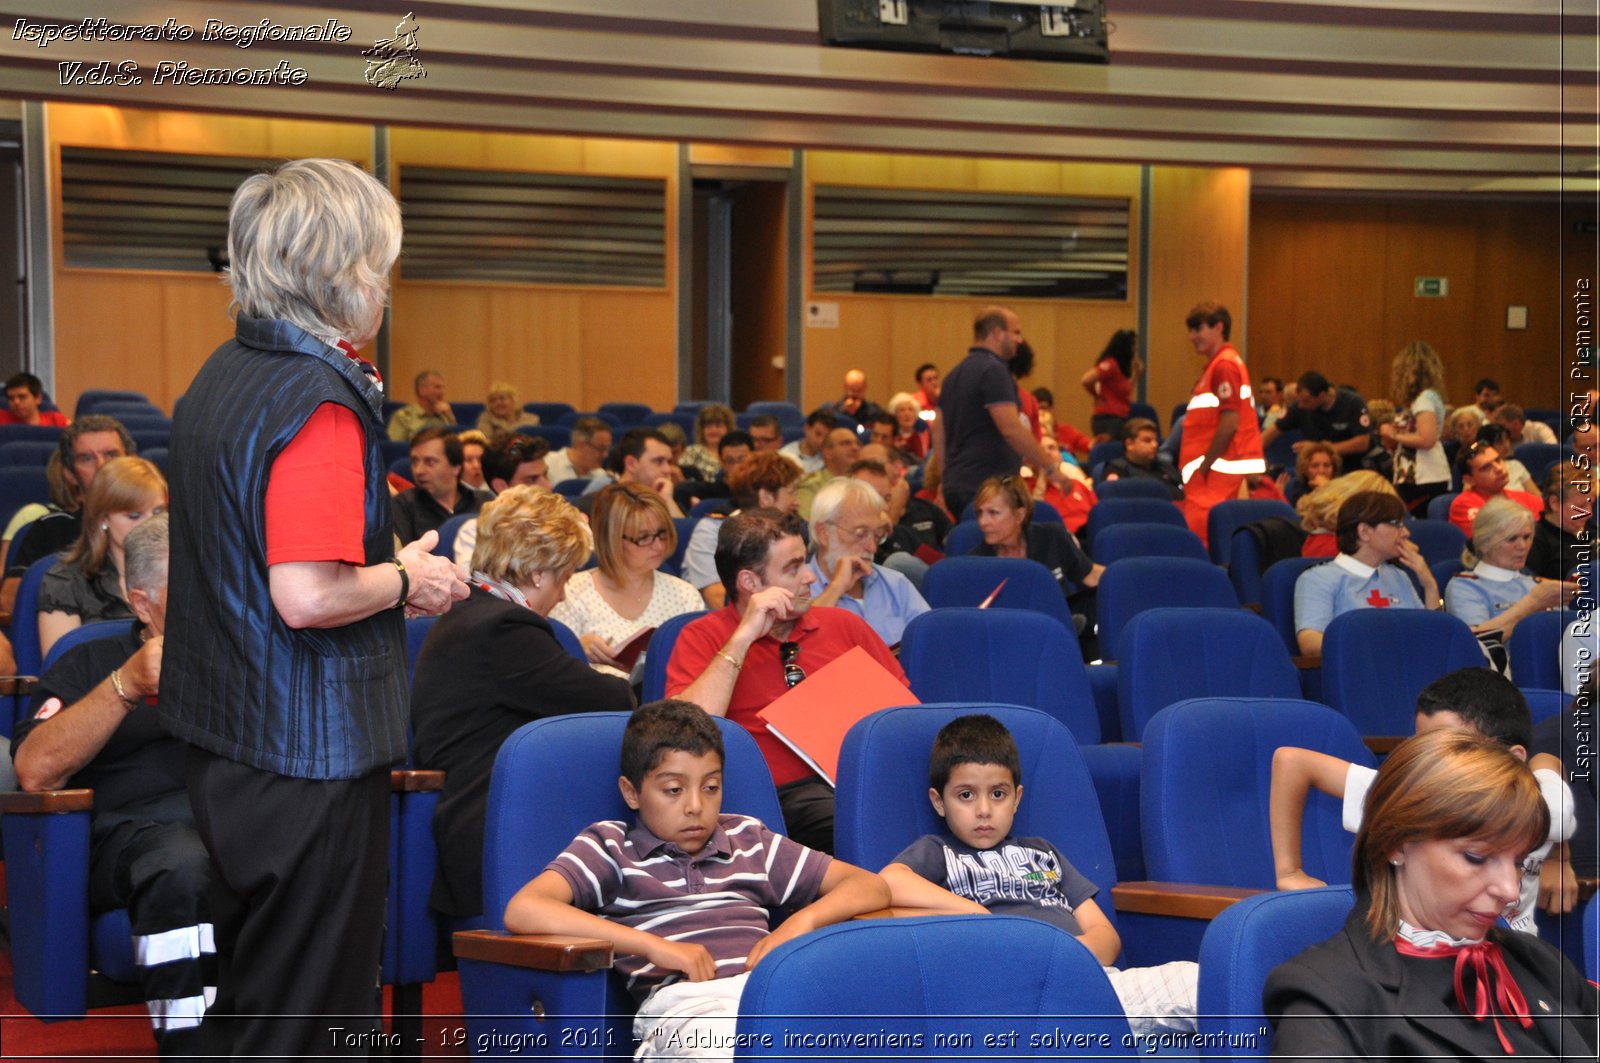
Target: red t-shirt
<point>823,634</point>
<point>51,418</point>
<point>1115,396</point>
<point>316,491</point>
<point>1464,510</point>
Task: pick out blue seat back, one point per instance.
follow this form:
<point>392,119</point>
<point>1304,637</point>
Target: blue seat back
<point>417,628</point>
<point>1121,541</point>
<point>684,421</point>
<point>99,629</point>
<point>1277,596</point>
<point>47,433</point>
<point>964,538</point>
<point>1110,511</point>
<point>1537,458</point>
<point>1544,703</point>
<point>881,803</point>
<point>22,485</point>
<point>890,980</point>
<point>446,546</point>
<point>1228,517</point>
<point>788,414</point>
<point>1439,506</point>
<point>659,652</point>
<point>1376,661</point>
<point>1132,487</point>
<point>1101,453</point>
<point>1535,649</point>
<point>91,399</point>
<point>555,435</point>
<point>1011,656</point>
<point>27,452</point>
<point>1132,585</point>
<point>1205,782</point>
<point>1439,540</point>
<point>1281,450</point>
<point>969,580</point>
<point>1147,411</point>
<point>548,412</point>
<point>572,488</point>
<point>568,639</point>
<point>1166,655</point>
<point>1242,946</point>
<point>554,777</point>
<point>567,420</point>
<point>467,413</point>
<point>1043,513</point>
<point>626,413</point>
<point>684,526</point>
<point>25,618</point>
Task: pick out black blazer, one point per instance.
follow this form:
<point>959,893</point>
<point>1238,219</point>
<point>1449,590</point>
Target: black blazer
<point>488,667</point>
<point>1354,998</point>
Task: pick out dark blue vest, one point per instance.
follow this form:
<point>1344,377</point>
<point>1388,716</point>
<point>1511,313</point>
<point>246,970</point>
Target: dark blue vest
<point>235,680</point>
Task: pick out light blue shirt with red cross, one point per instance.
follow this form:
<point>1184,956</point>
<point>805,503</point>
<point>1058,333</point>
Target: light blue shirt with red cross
<point>1324,591</point>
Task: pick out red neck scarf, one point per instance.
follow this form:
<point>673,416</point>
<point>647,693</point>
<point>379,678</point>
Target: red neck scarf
<point>1495,992</point>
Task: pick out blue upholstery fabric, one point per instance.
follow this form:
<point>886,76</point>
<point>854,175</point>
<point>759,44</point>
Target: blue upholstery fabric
<point>1110,511</point>
<point>554,434</point>
<point>1376,661</point>
<point>568,639</point>
<point>1439,540</point>
<point>1133,487</point>
<point>626,413</point>
<point>1242,946</point>
<point>964,538</point>
<point>1133,585</point>
<point>1277,597</point>
<point>897,976</point>
<point>99,629</point>
<point>1207,775</point>
<point>1591,939</point>
<point>1140,539</point>
<point>446,546</point>
<point>788,414</point>
<point>1043,513</point>
<point>1537,458</point>
<point>25,618</point>
<point>1439,506</point>
<point>549,412</point>
<point>1012,656</point>
<point>1167,655</point>
<point>1228,517</point>
<point>1535,649</point>
<point>967,581</point>
<point>658,653</point>
<point>684,526</point>
<point>1542,703</point>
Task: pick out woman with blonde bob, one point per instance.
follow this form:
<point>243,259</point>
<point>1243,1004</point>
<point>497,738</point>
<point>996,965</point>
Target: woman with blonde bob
<point>1421,969</point>
<point>492,664</point>
<point>1495,594</point>
<point>503,412</point>
<point>1319,510</point>
<point>608,606</point>
<point>86,584</point>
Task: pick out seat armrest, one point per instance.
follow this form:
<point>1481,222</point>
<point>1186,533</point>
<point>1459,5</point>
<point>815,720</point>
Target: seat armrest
<point>1307,661</point>
<point>17,686</point>
<point>540,952</point>
<point>1184,900</point>
<point>415,781</point>
<point>19,803</point>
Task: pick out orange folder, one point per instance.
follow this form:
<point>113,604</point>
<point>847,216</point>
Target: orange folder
<point>813,716</point>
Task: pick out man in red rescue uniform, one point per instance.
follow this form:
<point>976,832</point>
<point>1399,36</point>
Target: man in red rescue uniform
<point>1221,438</point>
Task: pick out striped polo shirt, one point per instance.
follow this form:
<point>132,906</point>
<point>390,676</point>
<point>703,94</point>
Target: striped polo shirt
<point>719,898</point>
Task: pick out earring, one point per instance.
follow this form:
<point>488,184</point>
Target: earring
<point>105,525</point>
<point>1394,863</point>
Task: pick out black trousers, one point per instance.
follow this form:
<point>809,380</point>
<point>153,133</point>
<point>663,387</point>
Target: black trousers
<point>807,806</point>
<point>160,872</point>
<point>302,871</point>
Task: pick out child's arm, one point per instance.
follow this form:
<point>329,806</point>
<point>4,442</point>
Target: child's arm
<point>846,891</point>
<point>544,906</point>
<point>910,889</point>
<point>1097,933</point>
<point>1294,772</point>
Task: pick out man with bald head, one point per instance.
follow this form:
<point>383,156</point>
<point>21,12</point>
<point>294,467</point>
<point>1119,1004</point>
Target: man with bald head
<point>855,408</point>
<point>980,431</point>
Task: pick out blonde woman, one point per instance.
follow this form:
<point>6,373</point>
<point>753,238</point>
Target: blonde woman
<point>86,584</point>
<point>1495,594</point>
<point>1319,510</point>
<point>1416,384</point>
<point>503,413</point>
<point>608,605</point>
<point>492,664</point>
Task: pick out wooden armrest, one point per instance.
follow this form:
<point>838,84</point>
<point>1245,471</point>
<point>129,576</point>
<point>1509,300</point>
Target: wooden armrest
<point>18,685</point>
<point>541,952</point>
<point>19,803</point>
<point>1307,661</point>
<point>1254,607</point>
<point>1383,745</point>
<point>1587,887</point>
<point>1186,900</point>
<point>415,781</point>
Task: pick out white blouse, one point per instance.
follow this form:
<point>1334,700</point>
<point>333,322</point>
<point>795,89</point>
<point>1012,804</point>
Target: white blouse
<point>587,613</point>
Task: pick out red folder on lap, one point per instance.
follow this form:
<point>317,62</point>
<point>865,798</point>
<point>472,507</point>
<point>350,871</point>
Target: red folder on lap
<point>813,716</point>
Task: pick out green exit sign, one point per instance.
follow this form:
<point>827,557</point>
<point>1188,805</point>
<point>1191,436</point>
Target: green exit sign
<point>1432,287</point>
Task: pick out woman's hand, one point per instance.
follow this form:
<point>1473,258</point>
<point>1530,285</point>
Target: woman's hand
<point>598,650</point>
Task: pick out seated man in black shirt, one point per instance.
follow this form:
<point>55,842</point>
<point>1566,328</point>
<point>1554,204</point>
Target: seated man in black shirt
<point>92,726</point>
<point>1142,458</point>
<point>1562,540</point>
<point>1326,414</point>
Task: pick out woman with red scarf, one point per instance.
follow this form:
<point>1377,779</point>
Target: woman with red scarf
<point>1420,968</point>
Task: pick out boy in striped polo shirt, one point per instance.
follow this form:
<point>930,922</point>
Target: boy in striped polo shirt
<point>703,883</point>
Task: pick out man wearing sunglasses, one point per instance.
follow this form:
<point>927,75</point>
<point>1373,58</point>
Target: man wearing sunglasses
<point>1484,476</point>
<point>742,657</point>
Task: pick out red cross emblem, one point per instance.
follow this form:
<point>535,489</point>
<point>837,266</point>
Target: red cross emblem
<point>1378,601</point>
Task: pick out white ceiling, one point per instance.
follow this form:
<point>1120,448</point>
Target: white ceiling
<point>1441,96</point>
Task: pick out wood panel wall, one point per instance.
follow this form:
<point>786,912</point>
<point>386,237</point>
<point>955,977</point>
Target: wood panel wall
<point>1332,288</point>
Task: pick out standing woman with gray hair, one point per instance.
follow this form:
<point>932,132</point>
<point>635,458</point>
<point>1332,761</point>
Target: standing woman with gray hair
<point>285,661</point>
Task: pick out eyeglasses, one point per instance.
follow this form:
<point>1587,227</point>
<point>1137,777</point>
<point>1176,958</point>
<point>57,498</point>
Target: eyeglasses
<point>648,538</point>
<point>787,653</point>
<point>860,532</point>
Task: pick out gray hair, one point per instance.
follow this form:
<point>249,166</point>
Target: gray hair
<point>1498,520</point>
<point>835,493</point>
<point>312,243</point>
<point>144,556</point>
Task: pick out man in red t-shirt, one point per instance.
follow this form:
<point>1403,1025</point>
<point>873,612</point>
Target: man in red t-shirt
<point>1221,437</point>
<point>23,392</point>
<point>741,658</point>
<point>1483,476</point>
